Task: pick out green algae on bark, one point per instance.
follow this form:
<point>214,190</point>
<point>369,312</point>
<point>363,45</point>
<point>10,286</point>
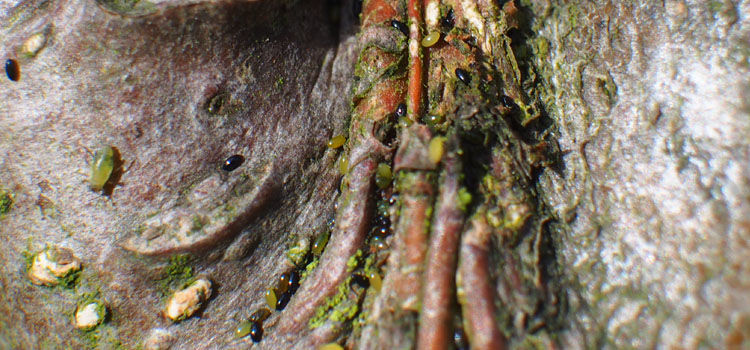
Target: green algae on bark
<point>177,274</point>
<point>6,202</point>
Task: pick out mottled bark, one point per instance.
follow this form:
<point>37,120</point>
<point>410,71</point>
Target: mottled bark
<point>651,106</point>
<point>634,233</point>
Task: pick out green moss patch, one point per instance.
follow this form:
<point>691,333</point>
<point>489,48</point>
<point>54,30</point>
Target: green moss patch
<point>177,274</point>
<point>6,202</point>
<point>336,308</point>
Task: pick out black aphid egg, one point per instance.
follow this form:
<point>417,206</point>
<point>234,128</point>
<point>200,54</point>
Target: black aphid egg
<point>381,220</point>
<point>359,280</point>
<point>463,76</point>
<point>401,110</point>
<point>293,281</point>
<point>12,70</point>
<point>459,339</point>
<point>283,300</point>
<point>383,231</point>
<point>400,26</point>
<point>448,21</point>
<point>233,162</point>
<point>378,242</point>
<point>256,332</point>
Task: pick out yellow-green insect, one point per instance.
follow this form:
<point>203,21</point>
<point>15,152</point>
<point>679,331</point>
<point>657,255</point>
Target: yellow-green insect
<point>337,141</point>
<point>383,176</point>
<point>102,167</point>
<point>431,39</point>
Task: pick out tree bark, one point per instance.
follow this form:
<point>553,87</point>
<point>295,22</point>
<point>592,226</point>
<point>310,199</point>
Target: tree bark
<point>647,201</point>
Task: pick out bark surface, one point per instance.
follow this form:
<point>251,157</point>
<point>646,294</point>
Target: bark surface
<point>652,110</point>
<point>647,203</point>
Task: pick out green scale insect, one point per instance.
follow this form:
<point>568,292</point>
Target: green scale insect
<point>101,168</point>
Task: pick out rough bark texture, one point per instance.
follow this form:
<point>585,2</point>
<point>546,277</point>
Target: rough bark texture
<point>652,109</point>
<point>649,199</point>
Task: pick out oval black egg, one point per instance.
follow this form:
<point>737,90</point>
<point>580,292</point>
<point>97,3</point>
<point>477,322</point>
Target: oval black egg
<point>283,300</point>
<point>12,70</point>
<point>293,281</point>
<point>401,110</point>
<point>233,162</point>
<point>383,231</point>
<point>463,76</point>
<point>459,339</point>
<point>400,26</point>
<point>383,221</point>
<point>359,280</point>
<point>256,332</point>
<point>448,21</point>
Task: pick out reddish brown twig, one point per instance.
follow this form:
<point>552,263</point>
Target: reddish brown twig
<point>412,229</point>
<point>411,238</point>
<point>415,91</point>
<point>435,323</point>
<point>477,301</point>
<point>395,308</point>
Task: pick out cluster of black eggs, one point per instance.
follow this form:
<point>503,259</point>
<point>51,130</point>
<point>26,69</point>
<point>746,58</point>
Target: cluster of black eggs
<point>279,295</point>
<point>381,223</point>
<point>380,232</point>
<point>254,325</point>
<point>448,21</point>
